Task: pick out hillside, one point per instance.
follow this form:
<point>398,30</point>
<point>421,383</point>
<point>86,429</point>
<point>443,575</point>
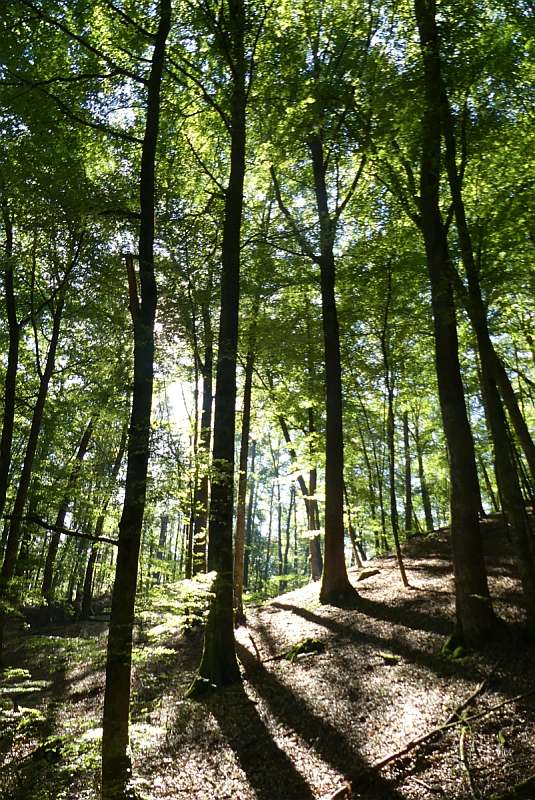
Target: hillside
<point>301,725</point>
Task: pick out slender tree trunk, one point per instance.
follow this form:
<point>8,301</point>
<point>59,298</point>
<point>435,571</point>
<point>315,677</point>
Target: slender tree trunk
<point>115,759</point>
<point>10,385</point>
<point>201,499</point>
<point>424,491</point>
<point>519,423</point>
<point>488,485</point>
<point>239,542</point>
<point>311,507</point>
<point>335,587</point>
<point>250,520</point>
<point>219,666</point>
<point>12,545</point>
<point>284,584</point>
<point>48,574</point>
<point>475,617</point>
<point>267,562</point>
<point>409,512</point>
<point>162,546</point>
<point>87,592</point>
<point>352,534</point>
<point>390,431</point>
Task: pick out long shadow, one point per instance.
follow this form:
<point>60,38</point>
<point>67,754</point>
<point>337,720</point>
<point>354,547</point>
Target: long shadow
<point>256,748</point>
<point>406,616</point>
<point>403,615</point>
<point>346,633</point>
<point>318,733</point>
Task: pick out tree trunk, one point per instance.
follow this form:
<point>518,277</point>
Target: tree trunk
<point>239,542</point>
<point>267,562</point>
<point>335,587</point>
<point>87,591</point>
<point>48,574</point>
<point>201,499</point>
<point>12,545</point>
<point>475,617</point>
<point>424,491</point>
<point>284,584</point>
<point>162,546</point>
<point>250,520</point>
<point>10,385</point>
<point>219,666</point>
<point>115,759</point>
<point>311,507</point>
<point>352,534</point>
<point>390,430</point>
<point>506,472</point>
<point>409,512</point>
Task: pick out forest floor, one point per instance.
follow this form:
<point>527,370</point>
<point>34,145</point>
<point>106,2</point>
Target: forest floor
<point>298,728</point>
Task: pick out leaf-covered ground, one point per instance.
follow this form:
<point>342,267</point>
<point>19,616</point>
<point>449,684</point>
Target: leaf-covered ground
<point>310,725</point>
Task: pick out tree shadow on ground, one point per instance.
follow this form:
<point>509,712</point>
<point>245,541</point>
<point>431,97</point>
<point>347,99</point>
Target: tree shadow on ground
<point>319,734</point>
<point>253,744</point>
<point>404,614</point>
<point>352,635</point>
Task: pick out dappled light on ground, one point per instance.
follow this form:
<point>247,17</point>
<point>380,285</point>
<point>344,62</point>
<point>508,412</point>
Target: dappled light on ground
<point>327,696</point>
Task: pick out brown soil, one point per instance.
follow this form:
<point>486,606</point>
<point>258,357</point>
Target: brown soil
<point>319,725</point>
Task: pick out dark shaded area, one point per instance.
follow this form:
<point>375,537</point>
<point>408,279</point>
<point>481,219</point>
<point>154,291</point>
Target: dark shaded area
<point>347,634</point>
<point>329,742</point>
<point>253,744</point>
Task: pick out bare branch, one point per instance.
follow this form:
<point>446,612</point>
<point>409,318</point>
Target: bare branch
<point>301,238</point>
<point>59,529</point>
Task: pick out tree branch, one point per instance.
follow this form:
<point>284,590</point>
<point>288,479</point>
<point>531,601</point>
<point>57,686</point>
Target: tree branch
<point>59,529</point>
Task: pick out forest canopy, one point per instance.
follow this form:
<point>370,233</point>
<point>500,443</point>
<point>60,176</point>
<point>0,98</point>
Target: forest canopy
<point>267,305</point>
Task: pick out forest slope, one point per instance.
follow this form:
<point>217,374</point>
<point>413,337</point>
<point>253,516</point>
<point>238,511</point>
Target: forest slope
<point>301,725</point>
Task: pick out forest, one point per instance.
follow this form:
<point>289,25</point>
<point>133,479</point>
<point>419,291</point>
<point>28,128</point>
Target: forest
<point>267,378</point>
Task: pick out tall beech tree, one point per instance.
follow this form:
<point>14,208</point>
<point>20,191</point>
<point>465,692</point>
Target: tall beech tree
<point>116,766</point>
<point>475,616</point>
<point>219,667</point>
<point>493,376</point>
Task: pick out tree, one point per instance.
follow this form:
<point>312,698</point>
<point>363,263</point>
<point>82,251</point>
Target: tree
<point>115,759</point>
<point>475,617</point>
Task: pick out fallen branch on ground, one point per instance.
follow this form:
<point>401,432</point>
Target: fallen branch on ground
<point>450,723</point>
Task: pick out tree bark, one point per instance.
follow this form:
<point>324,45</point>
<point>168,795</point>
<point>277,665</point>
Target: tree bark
<point>475,617</point>
<point>10,385</point>
<point>48,574</point>
<point>335,586</point>
<point>219,666</point>
<point>390,430</point>
<point>12,545</point>
<point>424,491</point>
<point>87,591</point>
<point>409,511</point>
<point>202,495</point>
<point>311,506</point>
<point>239,541</point>
<point>506,472</point>
<point>115,758</point>
<point>250,520</point>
